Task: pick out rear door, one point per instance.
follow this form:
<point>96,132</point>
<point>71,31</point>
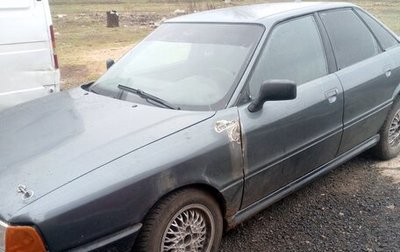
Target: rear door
<point>366,73</point>
<point>288,139</point>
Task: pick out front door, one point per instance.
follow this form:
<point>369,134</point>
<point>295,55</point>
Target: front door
<point>288,139</point>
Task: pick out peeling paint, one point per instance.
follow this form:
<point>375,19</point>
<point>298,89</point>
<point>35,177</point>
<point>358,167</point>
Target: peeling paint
<point>230,212</point>
<point>231,127</point>
<point>231,223</point>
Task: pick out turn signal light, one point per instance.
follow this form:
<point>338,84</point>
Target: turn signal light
<point>23,239</point>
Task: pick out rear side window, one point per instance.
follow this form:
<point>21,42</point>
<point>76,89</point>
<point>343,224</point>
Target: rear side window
<point>294,51</point>
<point>351,39</point>
<point>385,38</point>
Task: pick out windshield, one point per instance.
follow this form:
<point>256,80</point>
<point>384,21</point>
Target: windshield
<point>193,66</point>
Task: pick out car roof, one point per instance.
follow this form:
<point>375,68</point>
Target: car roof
<point>259,13</point>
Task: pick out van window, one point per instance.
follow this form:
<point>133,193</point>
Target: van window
<point>294,52</point>
<point>385,38</point>
<point>351,40</point>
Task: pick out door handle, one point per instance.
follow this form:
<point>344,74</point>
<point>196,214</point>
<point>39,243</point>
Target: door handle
<point>331,95</point>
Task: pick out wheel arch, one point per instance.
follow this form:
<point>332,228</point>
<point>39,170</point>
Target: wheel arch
<point>212,191</point>
<point>396,93</point>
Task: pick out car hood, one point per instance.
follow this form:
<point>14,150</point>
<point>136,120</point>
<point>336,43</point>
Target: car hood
<point>46,143</point>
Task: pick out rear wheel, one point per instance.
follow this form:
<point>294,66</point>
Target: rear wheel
<point>187,220</point>
<point>389,145</point>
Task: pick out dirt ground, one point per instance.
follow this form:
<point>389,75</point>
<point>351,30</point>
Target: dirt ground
<point>79,73</point>
<point>354,208</point>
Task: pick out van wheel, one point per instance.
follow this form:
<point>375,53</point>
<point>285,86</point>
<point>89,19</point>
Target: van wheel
<point>186,220</point>
<point>389,145</point>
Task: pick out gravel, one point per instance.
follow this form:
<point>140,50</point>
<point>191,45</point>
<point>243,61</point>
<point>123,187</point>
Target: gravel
<point>354,208</point>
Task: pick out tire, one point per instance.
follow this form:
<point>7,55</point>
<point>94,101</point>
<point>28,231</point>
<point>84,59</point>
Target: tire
<point>194,211</point>
<point>389,145</point>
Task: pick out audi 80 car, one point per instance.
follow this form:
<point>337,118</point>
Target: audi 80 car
<point>212,118</point>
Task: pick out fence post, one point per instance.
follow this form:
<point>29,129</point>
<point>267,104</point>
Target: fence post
<point>112,19</point>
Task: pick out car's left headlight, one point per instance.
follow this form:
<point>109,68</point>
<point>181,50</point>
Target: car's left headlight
<point>3,229</point>
<point>20,238</point>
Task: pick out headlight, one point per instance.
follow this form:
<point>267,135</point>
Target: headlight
<point>20,238</point>
<point>3,228</point>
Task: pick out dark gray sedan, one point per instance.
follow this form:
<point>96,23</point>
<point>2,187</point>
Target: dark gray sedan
<point>212,118</point>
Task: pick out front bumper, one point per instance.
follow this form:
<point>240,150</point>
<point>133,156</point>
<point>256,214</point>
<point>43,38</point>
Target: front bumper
<point>119,241</point>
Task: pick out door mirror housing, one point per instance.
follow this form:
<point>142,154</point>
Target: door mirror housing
<point>274,90</point>
<point>109,63</point>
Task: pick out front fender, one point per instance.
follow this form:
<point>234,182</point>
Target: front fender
<point>122,192</point>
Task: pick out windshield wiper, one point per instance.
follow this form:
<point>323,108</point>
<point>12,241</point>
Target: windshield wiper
<point>147,96</point>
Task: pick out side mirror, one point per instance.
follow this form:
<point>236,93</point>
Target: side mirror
<point>109,63</point>
<point>274,90</point>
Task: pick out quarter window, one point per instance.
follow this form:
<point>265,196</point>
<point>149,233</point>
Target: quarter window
<point>351,40</point>
<point>385,38</point>
<point>294,52</point>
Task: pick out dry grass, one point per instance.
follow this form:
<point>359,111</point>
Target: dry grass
<point>84,43</point>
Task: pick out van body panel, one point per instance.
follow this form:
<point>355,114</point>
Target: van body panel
<point>26,52</point>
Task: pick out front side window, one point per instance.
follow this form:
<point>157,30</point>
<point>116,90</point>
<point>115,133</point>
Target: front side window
<point>194,66</point>
<point>351,40</point>
<point>294,51</point>
<point>385,38</point>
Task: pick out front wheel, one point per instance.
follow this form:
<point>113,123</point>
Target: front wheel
<point>187,220</point>
<point>389,145</point>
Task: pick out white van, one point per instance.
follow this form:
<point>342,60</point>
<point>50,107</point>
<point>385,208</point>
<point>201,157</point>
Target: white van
<point>28,63</point>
